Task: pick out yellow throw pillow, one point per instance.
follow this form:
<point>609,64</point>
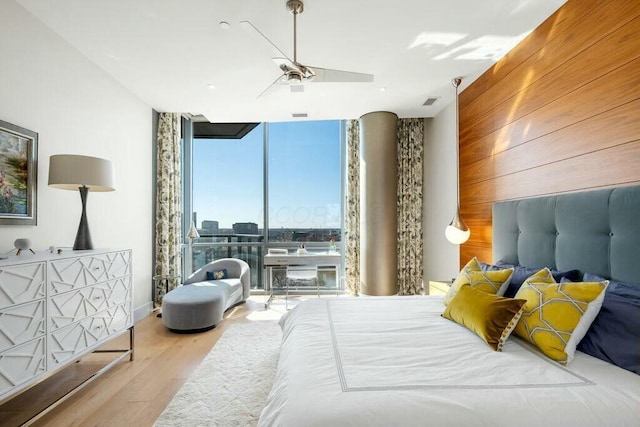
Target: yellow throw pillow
<point>463,278</point>
<point>494,282</point>
<point>557,316</point>
<point>491,317</point>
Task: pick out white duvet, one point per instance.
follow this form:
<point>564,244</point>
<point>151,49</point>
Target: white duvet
<point>394,361</point>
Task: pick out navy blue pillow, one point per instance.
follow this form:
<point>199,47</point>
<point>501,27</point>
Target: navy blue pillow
<point>217,274</point>
<point>614,336</point>
<point>520,274</point>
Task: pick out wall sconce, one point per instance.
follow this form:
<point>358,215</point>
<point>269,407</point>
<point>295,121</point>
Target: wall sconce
<point>457,231</point>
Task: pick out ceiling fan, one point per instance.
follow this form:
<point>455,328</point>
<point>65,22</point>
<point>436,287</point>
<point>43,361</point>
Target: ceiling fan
<point>294,73</point>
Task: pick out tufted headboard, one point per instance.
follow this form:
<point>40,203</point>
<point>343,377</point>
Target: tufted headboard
<point>594,231</point>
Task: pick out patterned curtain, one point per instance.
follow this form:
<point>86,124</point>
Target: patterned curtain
<point>410,177</point>
<point>352,211</point>
<point>168,204</point>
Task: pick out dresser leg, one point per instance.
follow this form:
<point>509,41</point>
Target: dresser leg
<point>131,343</point>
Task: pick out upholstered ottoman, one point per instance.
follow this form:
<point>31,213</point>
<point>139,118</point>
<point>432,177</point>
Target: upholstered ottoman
<point>193,308</point>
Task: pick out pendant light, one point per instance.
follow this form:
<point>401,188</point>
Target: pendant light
<point>457,231</point>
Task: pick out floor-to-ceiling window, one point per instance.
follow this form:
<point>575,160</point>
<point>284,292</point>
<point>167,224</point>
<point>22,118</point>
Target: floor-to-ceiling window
<point>278,186</point>
<point>227,200</point>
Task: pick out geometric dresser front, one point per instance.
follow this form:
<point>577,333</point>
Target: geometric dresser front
<point>55,308</point>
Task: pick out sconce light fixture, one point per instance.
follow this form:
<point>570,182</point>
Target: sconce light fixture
<point>457,231</point>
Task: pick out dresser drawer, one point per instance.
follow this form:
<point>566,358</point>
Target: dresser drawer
<point>73,340</point>
<point>73,273</point>
<point>22,283</point>
<point>21,363</point>
<point>21,323</point>
<point>69,307</point>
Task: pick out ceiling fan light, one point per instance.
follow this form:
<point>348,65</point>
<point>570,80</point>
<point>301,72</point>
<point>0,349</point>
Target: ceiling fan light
<point>294,79</point>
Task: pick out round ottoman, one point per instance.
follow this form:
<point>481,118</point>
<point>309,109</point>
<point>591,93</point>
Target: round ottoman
<point>192,308</point>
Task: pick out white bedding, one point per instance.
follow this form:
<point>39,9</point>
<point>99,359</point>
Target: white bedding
<point>394,361</point>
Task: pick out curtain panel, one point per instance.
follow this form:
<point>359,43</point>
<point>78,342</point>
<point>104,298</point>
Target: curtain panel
<point>352,211</point>
<point>168,204</point>
<point>410,180</point>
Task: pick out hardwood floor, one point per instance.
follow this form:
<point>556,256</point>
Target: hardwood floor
<point>131,393</point>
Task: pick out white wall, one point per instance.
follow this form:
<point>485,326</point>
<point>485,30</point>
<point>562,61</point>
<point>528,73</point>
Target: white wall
<point>49,87</point>
<point>441,258</point>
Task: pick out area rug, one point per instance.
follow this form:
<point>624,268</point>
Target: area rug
<point>231,385</point>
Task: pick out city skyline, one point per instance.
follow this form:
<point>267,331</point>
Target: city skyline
<point>304,177</point>
<point>283,234</point>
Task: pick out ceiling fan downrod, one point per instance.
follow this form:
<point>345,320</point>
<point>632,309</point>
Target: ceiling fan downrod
<point>295,7</point>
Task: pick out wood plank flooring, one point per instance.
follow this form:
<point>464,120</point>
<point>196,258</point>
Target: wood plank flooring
<point>131,393</point>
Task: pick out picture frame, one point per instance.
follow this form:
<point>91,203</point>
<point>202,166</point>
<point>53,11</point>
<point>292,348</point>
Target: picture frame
<point>18,175</point>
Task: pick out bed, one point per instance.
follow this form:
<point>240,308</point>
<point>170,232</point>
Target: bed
<point>395,361</point>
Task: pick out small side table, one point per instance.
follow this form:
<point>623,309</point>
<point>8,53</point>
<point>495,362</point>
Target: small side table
<point>162,280</point>
<point>439,287</point>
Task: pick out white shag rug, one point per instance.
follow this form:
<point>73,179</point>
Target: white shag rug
<point>231,385</point>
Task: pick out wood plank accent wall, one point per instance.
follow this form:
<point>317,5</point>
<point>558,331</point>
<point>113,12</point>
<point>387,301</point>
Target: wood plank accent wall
<point>559,113</point>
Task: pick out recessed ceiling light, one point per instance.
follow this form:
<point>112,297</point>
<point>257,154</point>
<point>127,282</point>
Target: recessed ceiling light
<point>225,25</point>
<point>382,89</point>
<point>211,86</point>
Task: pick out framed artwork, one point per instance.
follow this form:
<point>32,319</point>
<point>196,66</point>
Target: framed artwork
<point>18,175</point>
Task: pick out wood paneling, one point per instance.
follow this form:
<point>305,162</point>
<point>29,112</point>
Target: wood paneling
<point>593,63</point>
<point>622,166</point>
<point>553,27</point>
<point>575,44</point>
<point>586,103</point>
<point>575,140</point>
<point>560,113</point>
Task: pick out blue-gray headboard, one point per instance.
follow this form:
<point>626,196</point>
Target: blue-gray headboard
<point>594,231</point>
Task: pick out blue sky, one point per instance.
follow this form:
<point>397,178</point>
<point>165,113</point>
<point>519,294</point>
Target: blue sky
<point>304,176</point>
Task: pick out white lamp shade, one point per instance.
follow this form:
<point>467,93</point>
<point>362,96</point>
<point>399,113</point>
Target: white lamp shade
<point>455,235</point>
<point>70,171</point>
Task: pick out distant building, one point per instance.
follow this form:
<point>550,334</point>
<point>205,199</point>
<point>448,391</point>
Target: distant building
<point>210,226</point>
<point>245,228</point>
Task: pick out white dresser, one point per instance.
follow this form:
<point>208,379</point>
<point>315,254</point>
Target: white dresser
<point>55,308</point>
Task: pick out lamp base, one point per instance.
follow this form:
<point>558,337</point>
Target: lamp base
<point>83,237</point>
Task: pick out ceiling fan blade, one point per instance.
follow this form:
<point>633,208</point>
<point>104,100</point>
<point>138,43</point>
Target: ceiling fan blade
<point>334,76</point>
<point>248,26</point>
<point>275,83</point>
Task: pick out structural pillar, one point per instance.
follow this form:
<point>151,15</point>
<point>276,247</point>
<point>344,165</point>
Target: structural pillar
<point>378,203</point>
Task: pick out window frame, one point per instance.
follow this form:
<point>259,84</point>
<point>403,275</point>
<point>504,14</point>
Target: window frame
<point>265,243</point>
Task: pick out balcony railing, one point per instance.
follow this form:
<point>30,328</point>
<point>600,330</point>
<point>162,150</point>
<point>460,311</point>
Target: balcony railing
<point>251,249</point>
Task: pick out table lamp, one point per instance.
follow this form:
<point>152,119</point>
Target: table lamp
<point>84,173</point>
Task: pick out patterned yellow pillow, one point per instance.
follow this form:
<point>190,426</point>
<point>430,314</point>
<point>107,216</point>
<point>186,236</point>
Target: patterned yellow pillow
<point>556,316</point>
<point>494,282</point>
<point>463,278</point>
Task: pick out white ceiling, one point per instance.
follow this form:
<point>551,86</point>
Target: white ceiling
<point>167,52</point>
